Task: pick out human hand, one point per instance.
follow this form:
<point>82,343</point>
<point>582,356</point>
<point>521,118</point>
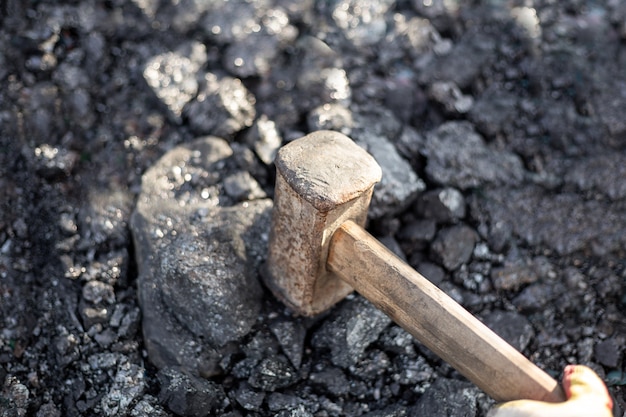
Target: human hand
<point>586,393</point>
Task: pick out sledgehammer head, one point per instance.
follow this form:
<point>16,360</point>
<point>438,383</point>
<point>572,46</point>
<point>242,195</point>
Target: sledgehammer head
<point>322,180</point>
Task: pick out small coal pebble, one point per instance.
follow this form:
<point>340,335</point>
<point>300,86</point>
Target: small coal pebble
<point>331,116</point>
<point>48,410</point>
<point>443,205</point>
<point>54,163</point>
<point>513,276</point>
<point>416,236</point>
<point>453,246</point>
<point>447,397</point>
<point>148,407</point>
<point>277,401</point>
<point>98,292</point>
<point>272,373</point>
<point>331,380</point>
<point>350,331</point>
<point>535,297</point>
<point>223,107</point>
<point>290,335</point>
<point>265,139</point>
<point>299,411</point>
<point>391,411</point>
<point>188,395</point>
<point>172,78</point>
<point>512,327</point>
<point>249,398</point>
<point>241,186</point>
<point>16,395</point>
<point>128,385</point>
<point>609,353</point>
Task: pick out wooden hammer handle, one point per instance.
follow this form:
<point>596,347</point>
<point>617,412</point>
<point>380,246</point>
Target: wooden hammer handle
<point>436,320</point>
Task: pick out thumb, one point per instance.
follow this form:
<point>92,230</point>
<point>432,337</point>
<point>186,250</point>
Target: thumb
<point>586,393</point>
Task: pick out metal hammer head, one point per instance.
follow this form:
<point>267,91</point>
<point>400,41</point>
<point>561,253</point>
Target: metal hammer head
<point>323,180</point>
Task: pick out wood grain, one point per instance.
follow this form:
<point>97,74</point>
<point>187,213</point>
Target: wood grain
<point>436,320</point>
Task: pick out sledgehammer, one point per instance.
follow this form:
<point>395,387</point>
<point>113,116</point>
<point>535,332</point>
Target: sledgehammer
<point>319,253</point>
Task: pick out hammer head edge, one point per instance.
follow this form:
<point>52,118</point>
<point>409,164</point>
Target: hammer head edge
<point>323,180</point>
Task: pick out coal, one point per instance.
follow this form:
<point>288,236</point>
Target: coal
<point>299,411</point>
<point>446,205</point>
<point>453,246</point>
<point>188,395</point>
<point>459,157</point>
<point>503,121</point>
<point>272,373</point>
<point>128,385</point>
<point>222,107</point>
<point>447,397</point>
<point>374,130</point>
<point>173,76</point>
<point>357,324</point>
<point>513,276</point>
<point>332,381</point>
<point>512,327</point>
<point>290,334</point>
<point>249,398</point>
<point>537,216</point>
<point>206,273</point>
<point>609,353</point>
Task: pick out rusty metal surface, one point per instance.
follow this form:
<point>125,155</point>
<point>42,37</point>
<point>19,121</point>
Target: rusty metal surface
<point>327,169</point>
<point>323,180</point>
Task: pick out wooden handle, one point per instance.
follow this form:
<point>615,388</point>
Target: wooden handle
<point>436,320</point>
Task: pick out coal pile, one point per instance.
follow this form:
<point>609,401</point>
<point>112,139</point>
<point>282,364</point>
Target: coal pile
<point>137,141</point>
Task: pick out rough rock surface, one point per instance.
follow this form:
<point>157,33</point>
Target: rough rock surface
<point>222,107</point>
<point>458,156</point>
<point>454,246</point>
<point>511,113</point>
<point>512,327</point>
<point>376,129</point>
<point>444,205</point>
<point>187,395</point>
<point>198,253</point>
<point>399,185</point>
<point>358,324</point>
<point>541,217</point>
<point>173,77</point>
<point>447,397</point>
